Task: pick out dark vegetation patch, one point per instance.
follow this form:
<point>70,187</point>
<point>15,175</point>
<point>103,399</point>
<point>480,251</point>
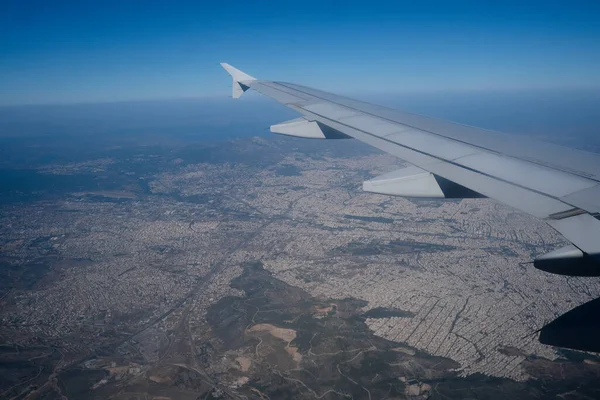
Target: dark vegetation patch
<point>24,367</point>
<point>75,383</point>
<point>511,351</point>
<point>22,276</point>
<point>382,220</point>
<point>378,247</point>
<point>384,312</point>
<point>288,170</point>
<point>333,344</point>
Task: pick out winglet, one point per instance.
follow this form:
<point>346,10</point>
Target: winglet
<point>240,80</point>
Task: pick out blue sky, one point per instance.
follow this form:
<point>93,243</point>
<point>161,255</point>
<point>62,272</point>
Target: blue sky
<point>87,51</point>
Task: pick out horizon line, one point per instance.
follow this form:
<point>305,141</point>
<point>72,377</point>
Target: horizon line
<point>347,94</point>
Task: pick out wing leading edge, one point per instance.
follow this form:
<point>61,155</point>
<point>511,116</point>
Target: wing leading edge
<point>556,184</point>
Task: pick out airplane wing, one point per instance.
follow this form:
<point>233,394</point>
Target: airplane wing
<point>557,184</point>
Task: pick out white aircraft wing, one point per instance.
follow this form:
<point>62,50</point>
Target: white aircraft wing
<point>557,184</point>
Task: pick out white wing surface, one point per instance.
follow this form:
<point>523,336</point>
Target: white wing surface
<point>557,184</point>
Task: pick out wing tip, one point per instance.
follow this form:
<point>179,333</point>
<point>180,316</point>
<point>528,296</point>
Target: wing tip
<point>236,74</point>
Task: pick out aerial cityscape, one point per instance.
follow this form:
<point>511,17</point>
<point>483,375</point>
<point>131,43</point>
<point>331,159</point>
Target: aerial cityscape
<point>153,274</point>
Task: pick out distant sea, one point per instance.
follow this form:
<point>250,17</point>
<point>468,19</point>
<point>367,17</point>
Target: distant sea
<point>37,135</point>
